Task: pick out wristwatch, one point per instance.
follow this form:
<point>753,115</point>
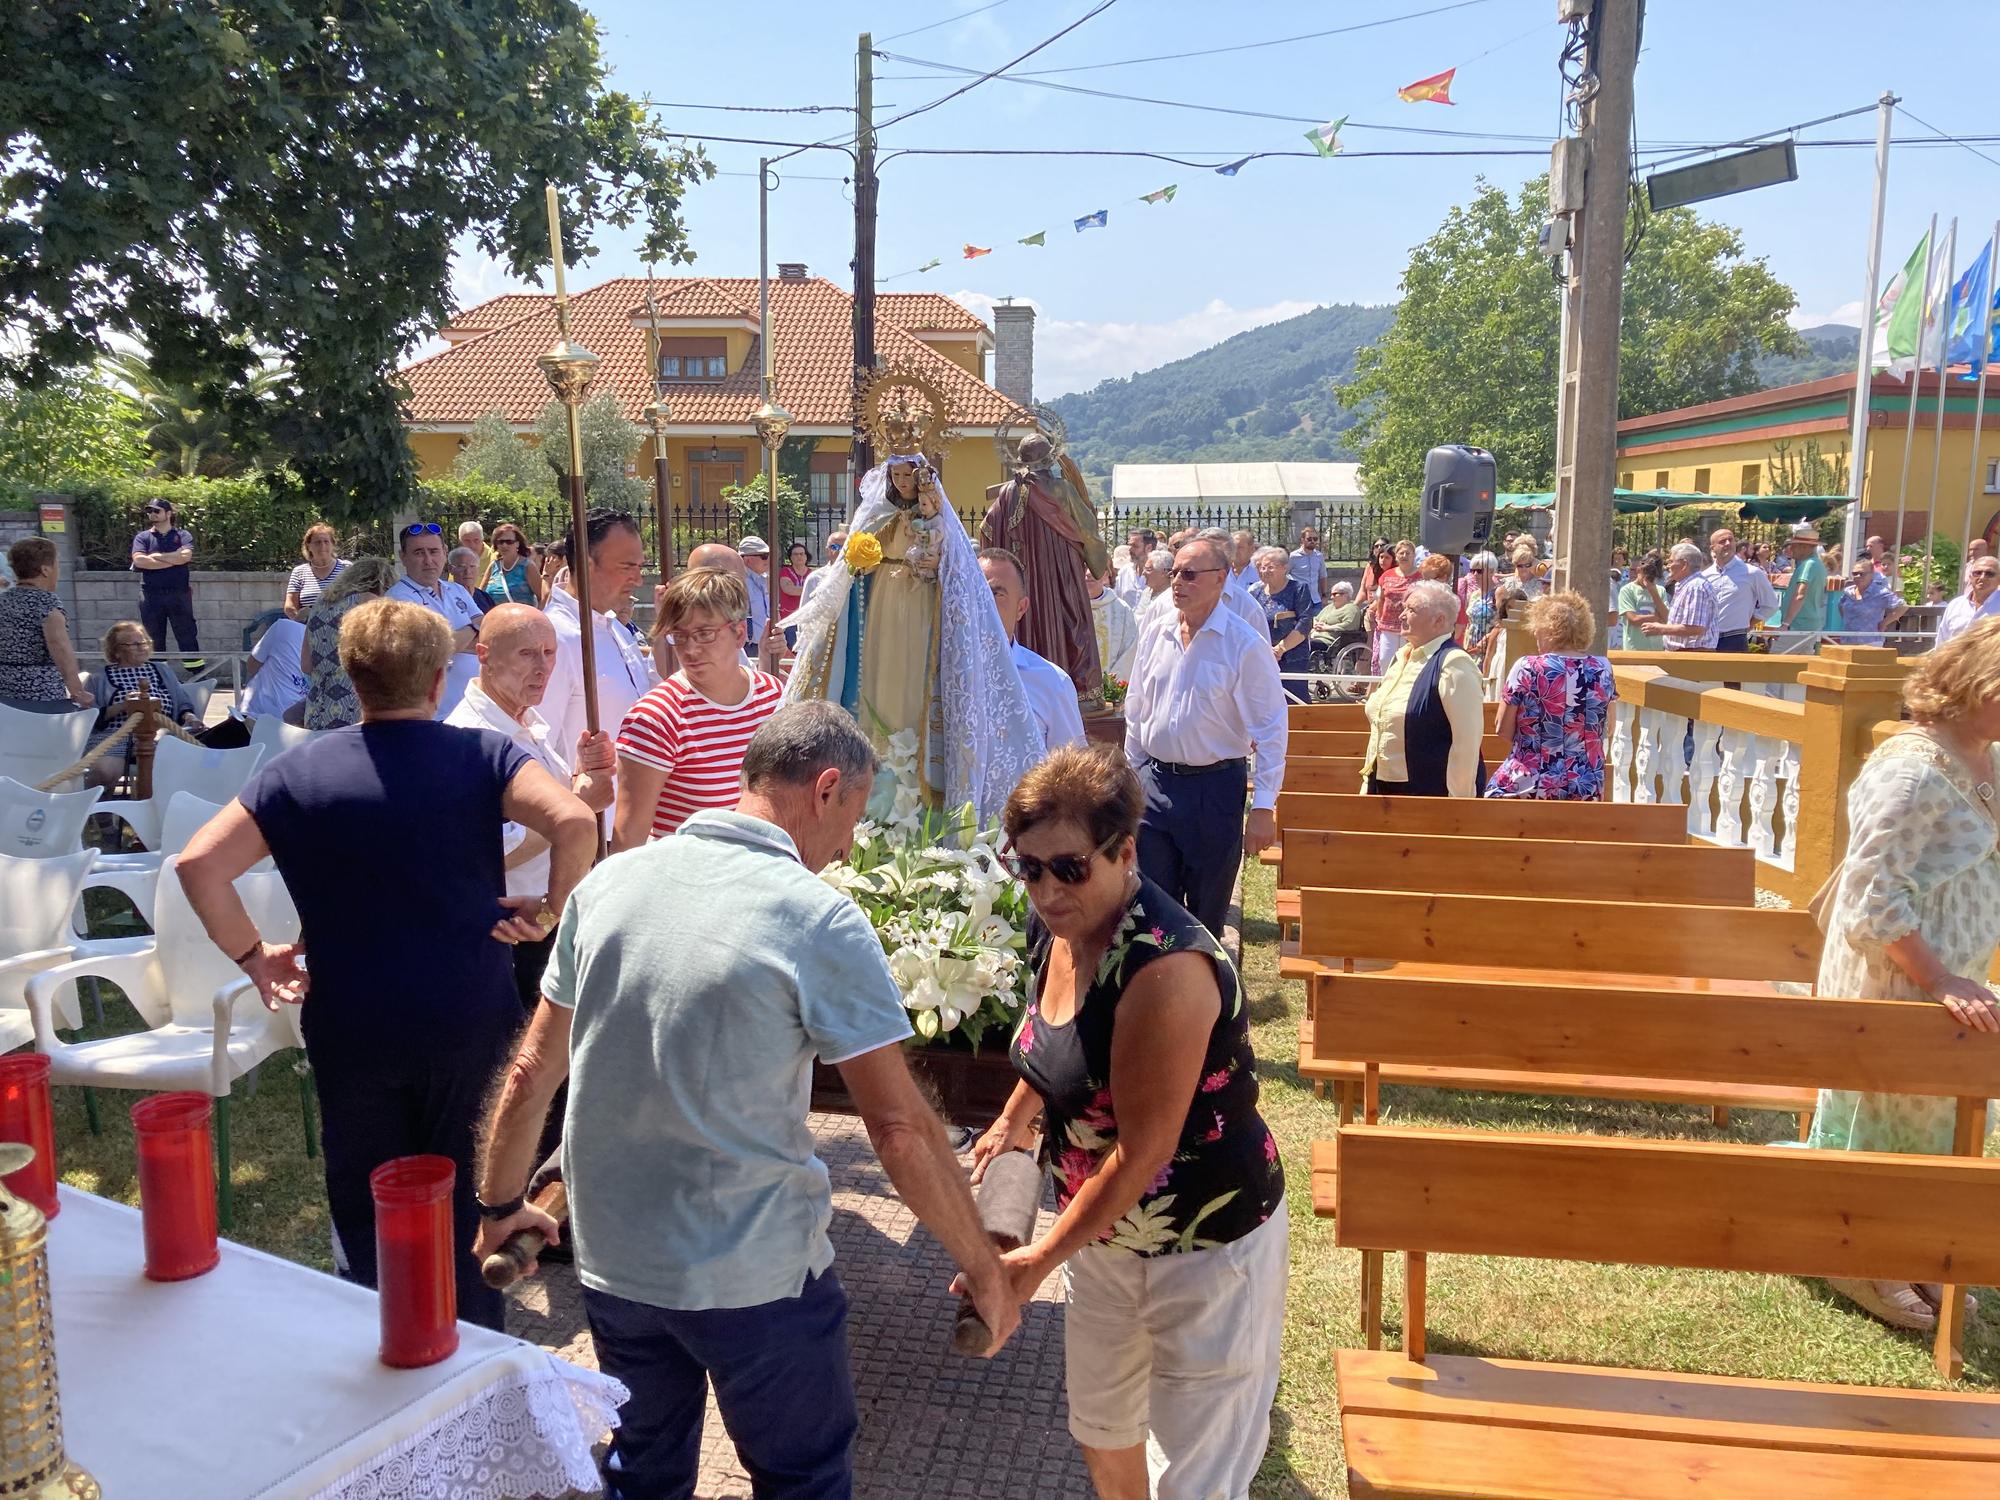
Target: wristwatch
<point>500,1210</point>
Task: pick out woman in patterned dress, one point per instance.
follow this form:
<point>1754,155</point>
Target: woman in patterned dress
<point>1916,912</point>
<point>330,702</point>
<point>1171,1228</point>
<point>1554,708</point>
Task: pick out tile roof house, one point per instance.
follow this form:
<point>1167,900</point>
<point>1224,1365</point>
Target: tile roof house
<point>710,359</point>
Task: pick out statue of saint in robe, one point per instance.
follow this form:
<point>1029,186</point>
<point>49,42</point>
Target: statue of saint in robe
<point>1042,515</point>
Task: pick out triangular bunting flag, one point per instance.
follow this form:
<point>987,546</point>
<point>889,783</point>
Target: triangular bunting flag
<point>1093,221</point>
<point>1326,138</point>
<point>1433,90</point>
<point>1164,195</point>
<point>1039,237</point>
<point>1232,168</point>
<point>929,265</point>
<point>973,252</point>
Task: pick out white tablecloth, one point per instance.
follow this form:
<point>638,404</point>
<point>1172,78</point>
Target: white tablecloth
<point>261,1379</point>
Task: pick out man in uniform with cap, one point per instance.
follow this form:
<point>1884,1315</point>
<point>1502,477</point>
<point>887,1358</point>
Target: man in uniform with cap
<point>162,556</point>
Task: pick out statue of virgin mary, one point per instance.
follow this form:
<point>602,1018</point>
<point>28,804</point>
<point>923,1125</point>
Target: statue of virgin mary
<point>904,633</point>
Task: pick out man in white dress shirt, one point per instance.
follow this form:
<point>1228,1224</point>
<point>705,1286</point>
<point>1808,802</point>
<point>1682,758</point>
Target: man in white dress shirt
<point>1242,554</point>
<point>421,548</point>
<point>1130,585</point>
<point>1235,596</point>
<point>517,655</point>
<point>624,670</point>
<point>1982,600</point>
<point>1050,692</point>
<point>1204,698</point>
<point>1743,593</point>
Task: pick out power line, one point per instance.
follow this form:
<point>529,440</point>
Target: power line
<point>910,114</point>
<point>1282,41</point>
<point>1751,140</point>
<point>1955,140</point>
<point>965,15</point>
<point>753,109</point>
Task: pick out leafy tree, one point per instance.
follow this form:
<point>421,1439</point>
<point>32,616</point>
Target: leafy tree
<point>1472,355</point>
<point>187,437</point>
<point>270,177</point>
<point>753,512</point>
<point>494,453</point>
<point>75,427</point>
<point>610,444</point>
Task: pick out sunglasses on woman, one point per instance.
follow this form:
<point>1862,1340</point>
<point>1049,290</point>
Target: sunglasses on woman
<point>1070,869</point>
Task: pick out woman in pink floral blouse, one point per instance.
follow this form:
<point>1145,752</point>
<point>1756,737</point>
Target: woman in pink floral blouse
<point>1554,708</point>
<point>1171,1229</point>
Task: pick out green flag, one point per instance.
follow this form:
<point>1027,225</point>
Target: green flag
<point>1039,237</point>
<point>1899,315</point>
<point>930,266</point>
<point>1326,138</point>
<point>1164,195</point>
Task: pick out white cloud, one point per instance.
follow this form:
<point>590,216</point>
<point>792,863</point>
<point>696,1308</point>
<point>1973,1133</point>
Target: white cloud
<point>1076,355</point>
<point>1848,313</point>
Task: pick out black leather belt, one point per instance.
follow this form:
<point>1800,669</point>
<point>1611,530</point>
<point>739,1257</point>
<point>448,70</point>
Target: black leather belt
<point>1175,768</point>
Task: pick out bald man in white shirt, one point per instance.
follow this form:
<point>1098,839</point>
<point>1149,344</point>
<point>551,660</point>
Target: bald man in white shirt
<point>1051,694</point>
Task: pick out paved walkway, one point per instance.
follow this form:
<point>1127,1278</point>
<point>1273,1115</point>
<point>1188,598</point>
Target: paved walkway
<point>933,1424</point>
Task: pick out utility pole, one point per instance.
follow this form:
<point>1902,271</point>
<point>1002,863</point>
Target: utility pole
<point>1587,398</point>
<point>864,243</point>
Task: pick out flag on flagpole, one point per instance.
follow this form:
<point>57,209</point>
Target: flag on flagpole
<point>1232,168</point>
<point>1163,195</point>
<point>1435,89</point>
<point>929,265</point>
<point>1039,237</point>
<point>1885,350</point>
<point>1326,138</point>
<point>1965,337</point>
<point>1916,323</point>
<point>1093,221</point>
<point>973,252</point>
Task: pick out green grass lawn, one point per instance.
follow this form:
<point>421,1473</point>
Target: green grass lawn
<point>1720,1323</point>
<point>1715,1322</point>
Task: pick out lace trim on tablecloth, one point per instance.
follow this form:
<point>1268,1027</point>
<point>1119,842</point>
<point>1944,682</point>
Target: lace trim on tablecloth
<point>528,1437</point>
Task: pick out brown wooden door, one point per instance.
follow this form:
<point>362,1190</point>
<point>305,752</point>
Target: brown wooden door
<point>710,472</point>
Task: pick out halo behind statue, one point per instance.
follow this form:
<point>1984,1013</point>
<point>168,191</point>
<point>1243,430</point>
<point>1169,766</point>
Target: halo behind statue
<point>1024,421</point>
<point>904,412</point>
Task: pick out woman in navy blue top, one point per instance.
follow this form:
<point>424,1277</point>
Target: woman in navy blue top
<point>387,834</point>
<point>1288,609</point>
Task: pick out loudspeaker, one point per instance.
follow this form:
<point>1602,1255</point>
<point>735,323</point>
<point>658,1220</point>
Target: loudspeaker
<point>1459,482</point>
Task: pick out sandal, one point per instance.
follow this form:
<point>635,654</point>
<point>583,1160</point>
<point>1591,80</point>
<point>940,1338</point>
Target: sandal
<point>1933,1293</point>
<point>1894,1302</point>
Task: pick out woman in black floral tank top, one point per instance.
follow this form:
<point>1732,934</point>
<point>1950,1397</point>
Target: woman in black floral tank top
<point>1171,1233</point>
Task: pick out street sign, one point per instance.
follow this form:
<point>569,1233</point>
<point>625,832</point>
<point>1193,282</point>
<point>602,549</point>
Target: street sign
<point>1762,166</point>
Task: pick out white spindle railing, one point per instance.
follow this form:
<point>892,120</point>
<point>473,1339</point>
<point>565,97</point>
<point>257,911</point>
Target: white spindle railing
<point>1741,789</point>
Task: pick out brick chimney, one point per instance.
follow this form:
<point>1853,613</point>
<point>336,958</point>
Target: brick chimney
<point>791,270</point>
<point>1014,350</point>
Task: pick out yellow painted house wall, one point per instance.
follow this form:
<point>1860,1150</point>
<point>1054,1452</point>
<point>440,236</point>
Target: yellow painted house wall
<point>1938,473</point>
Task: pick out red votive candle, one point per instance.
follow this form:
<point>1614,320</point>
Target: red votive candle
<point>413,1259</point>
<point>25,1117</point>
<point>176,1185</point>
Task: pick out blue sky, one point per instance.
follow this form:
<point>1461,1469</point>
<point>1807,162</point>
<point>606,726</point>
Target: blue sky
<point>1162,281</point>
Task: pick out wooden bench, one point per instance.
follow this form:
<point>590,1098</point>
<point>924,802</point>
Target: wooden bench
<point>1350,716</point>
<point>1415,1425</point>
<point>1305,743</point>
<point>1324,773</point>
<point>1417,933</point>
<point>1480,817</point>
<point>1703,874</point>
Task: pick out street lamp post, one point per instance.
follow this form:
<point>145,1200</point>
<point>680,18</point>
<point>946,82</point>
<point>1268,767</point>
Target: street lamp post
<point>771,420</point>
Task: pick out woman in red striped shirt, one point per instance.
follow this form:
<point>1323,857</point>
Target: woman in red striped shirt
<point>680,749</point>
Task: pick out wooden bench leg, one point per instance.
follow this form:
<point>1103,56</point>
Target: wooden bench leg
<point>1720,1115</point>
<point>1345,1092</point>
<point>1415,1266</point>
<point>1968,1138</point>
<point>1805,1124</point>
<point>1371,1298</point>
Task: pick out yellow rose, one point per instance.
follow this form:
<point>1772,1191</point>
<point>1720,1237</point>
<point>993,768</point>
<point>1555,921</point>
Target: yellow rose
<point>863,553</point>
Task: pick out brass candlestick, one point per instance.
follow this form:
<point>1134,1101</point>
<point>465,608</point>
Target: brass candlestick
<point>32,1460</point>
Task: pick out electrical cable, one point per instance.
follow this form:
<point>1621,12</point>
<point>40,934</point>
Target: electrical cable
<point>1955,140</point>
<point>752,109</point>
<point>1751,140</point>
<point>964,15</point>
<point>910,114</point>
<point>1282,41</point>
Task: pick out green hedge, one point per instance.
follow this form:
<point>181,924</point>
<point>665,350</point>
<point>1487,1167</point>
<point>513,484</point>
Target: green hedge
<point>254,523</point>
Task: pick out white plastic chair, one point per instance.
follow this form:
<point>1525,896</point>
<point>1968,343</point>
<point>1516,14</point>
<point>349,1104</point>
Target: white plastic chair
<point>39,825</point>
<point>276,736</point>
<point>35,900</point>
<point>198,690</point>
<point>137,876</point>
<point>206,1025</point>
<point>212,775</point>
<point>33,747</point>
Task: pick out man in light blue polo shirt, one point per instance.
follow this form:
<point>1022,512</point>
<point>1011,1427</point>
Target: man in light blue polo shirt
<point>692,983</point>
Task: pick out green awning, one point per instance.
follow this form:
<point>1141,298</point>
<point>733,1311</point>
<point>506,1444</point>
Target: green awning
<point>1793,508</point>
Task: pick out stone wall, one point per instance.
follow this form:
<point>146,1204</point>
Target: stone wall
<point>223,604</point>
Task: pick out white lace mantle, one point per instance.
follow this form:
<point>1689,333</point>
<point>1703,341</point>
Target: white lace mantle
<point>529,1436</point>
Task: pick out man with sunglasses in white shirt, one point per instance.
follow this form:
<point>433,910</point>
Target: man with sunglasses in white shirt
<point>1204,700</point>
<point>421,549</point>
